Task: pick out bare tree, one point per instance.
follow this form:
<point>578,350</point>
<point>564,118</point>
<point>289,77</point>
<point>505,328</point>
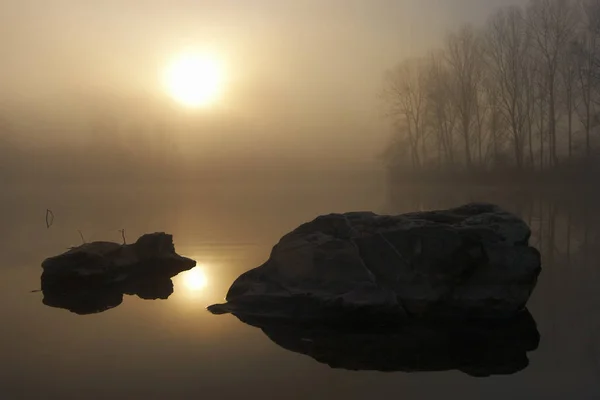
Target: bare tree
<point>552,24</point>
<point>405,94</point>
<point>482,110</point>
<point>568,74</point>
<point>541,107</point>
<point>507,47</point>
<point>530,93</point>
<point>441,110</point>
<point>586,54</point>
<point>464,59</point>
<point>504,95</point>
<point>495,123</point>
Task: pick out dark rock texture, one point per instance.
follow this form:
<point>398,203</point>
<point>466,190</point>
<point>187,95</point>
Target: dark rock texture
<point>94,277</point>
<point>469,262</point>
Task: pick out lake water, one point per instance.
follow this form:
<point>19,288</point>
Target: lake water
<point>175,349</point>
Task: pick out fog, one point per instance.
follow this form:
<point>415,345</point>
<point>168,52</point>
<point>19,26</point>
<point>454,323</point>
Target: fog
<point>302,79</point>
<point>321,106</point>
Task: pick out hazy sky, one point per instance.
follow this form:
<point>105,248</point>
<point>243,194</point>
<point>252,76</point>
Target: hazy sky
<point>301,73</point>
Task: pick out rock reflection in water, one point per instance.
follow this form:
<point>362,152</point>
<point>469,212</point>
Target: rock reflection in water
<point>478,349</point>
<point>90,298</point>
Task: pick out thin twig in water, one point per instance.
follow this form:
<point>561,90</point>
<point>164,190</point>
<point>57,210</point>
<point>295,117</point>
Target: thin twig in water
<point>123,235</point>
<point>49,218</point>
<point>81,235</point>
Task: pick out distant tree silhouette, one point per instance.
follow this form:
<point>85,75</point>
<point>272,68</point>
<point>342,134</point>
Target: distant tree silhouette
<point>521,92</point>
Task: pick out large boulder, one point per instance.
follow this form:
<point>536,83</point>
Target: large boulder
<point>94,277</point>
<point>472,261</point>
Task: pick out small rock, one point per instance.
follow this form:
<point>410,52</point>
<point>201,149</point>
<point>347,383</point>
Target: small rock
<point>94,276</point>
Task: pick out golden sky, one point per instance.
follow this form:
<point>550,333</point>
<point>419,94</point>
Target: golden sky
<point>305,72</point>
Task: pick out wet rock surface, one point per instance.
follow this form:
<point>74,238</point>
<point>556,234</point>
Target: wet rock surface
<point>468,262</point>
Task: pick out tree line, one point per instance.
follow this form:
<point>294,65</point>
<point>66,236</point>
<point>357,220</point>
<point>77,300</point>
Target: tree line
<point>521,92</point>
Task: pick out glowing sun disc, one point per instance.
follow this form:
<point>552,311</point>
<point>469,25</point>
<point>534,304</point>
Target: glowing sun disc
<point>194,80</point>
<point>195,279</point>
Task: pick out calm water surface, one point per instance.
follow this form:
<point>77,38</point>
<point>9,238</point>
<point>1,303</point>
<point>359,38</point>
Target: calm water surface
<point>175,349</point>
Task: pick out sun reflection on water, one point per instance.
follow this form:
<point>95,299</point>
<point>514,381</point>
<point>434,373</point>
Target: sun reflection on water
<point>195,279</point>
<point>200,286</point>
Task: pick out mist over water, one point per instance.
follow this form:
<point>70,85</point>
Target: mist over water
<point>175,348</point>
<point>312,108</point>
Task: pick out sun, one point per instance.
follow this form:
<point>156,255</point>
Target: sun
<point>195,279</point>
<point>194,80</point>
